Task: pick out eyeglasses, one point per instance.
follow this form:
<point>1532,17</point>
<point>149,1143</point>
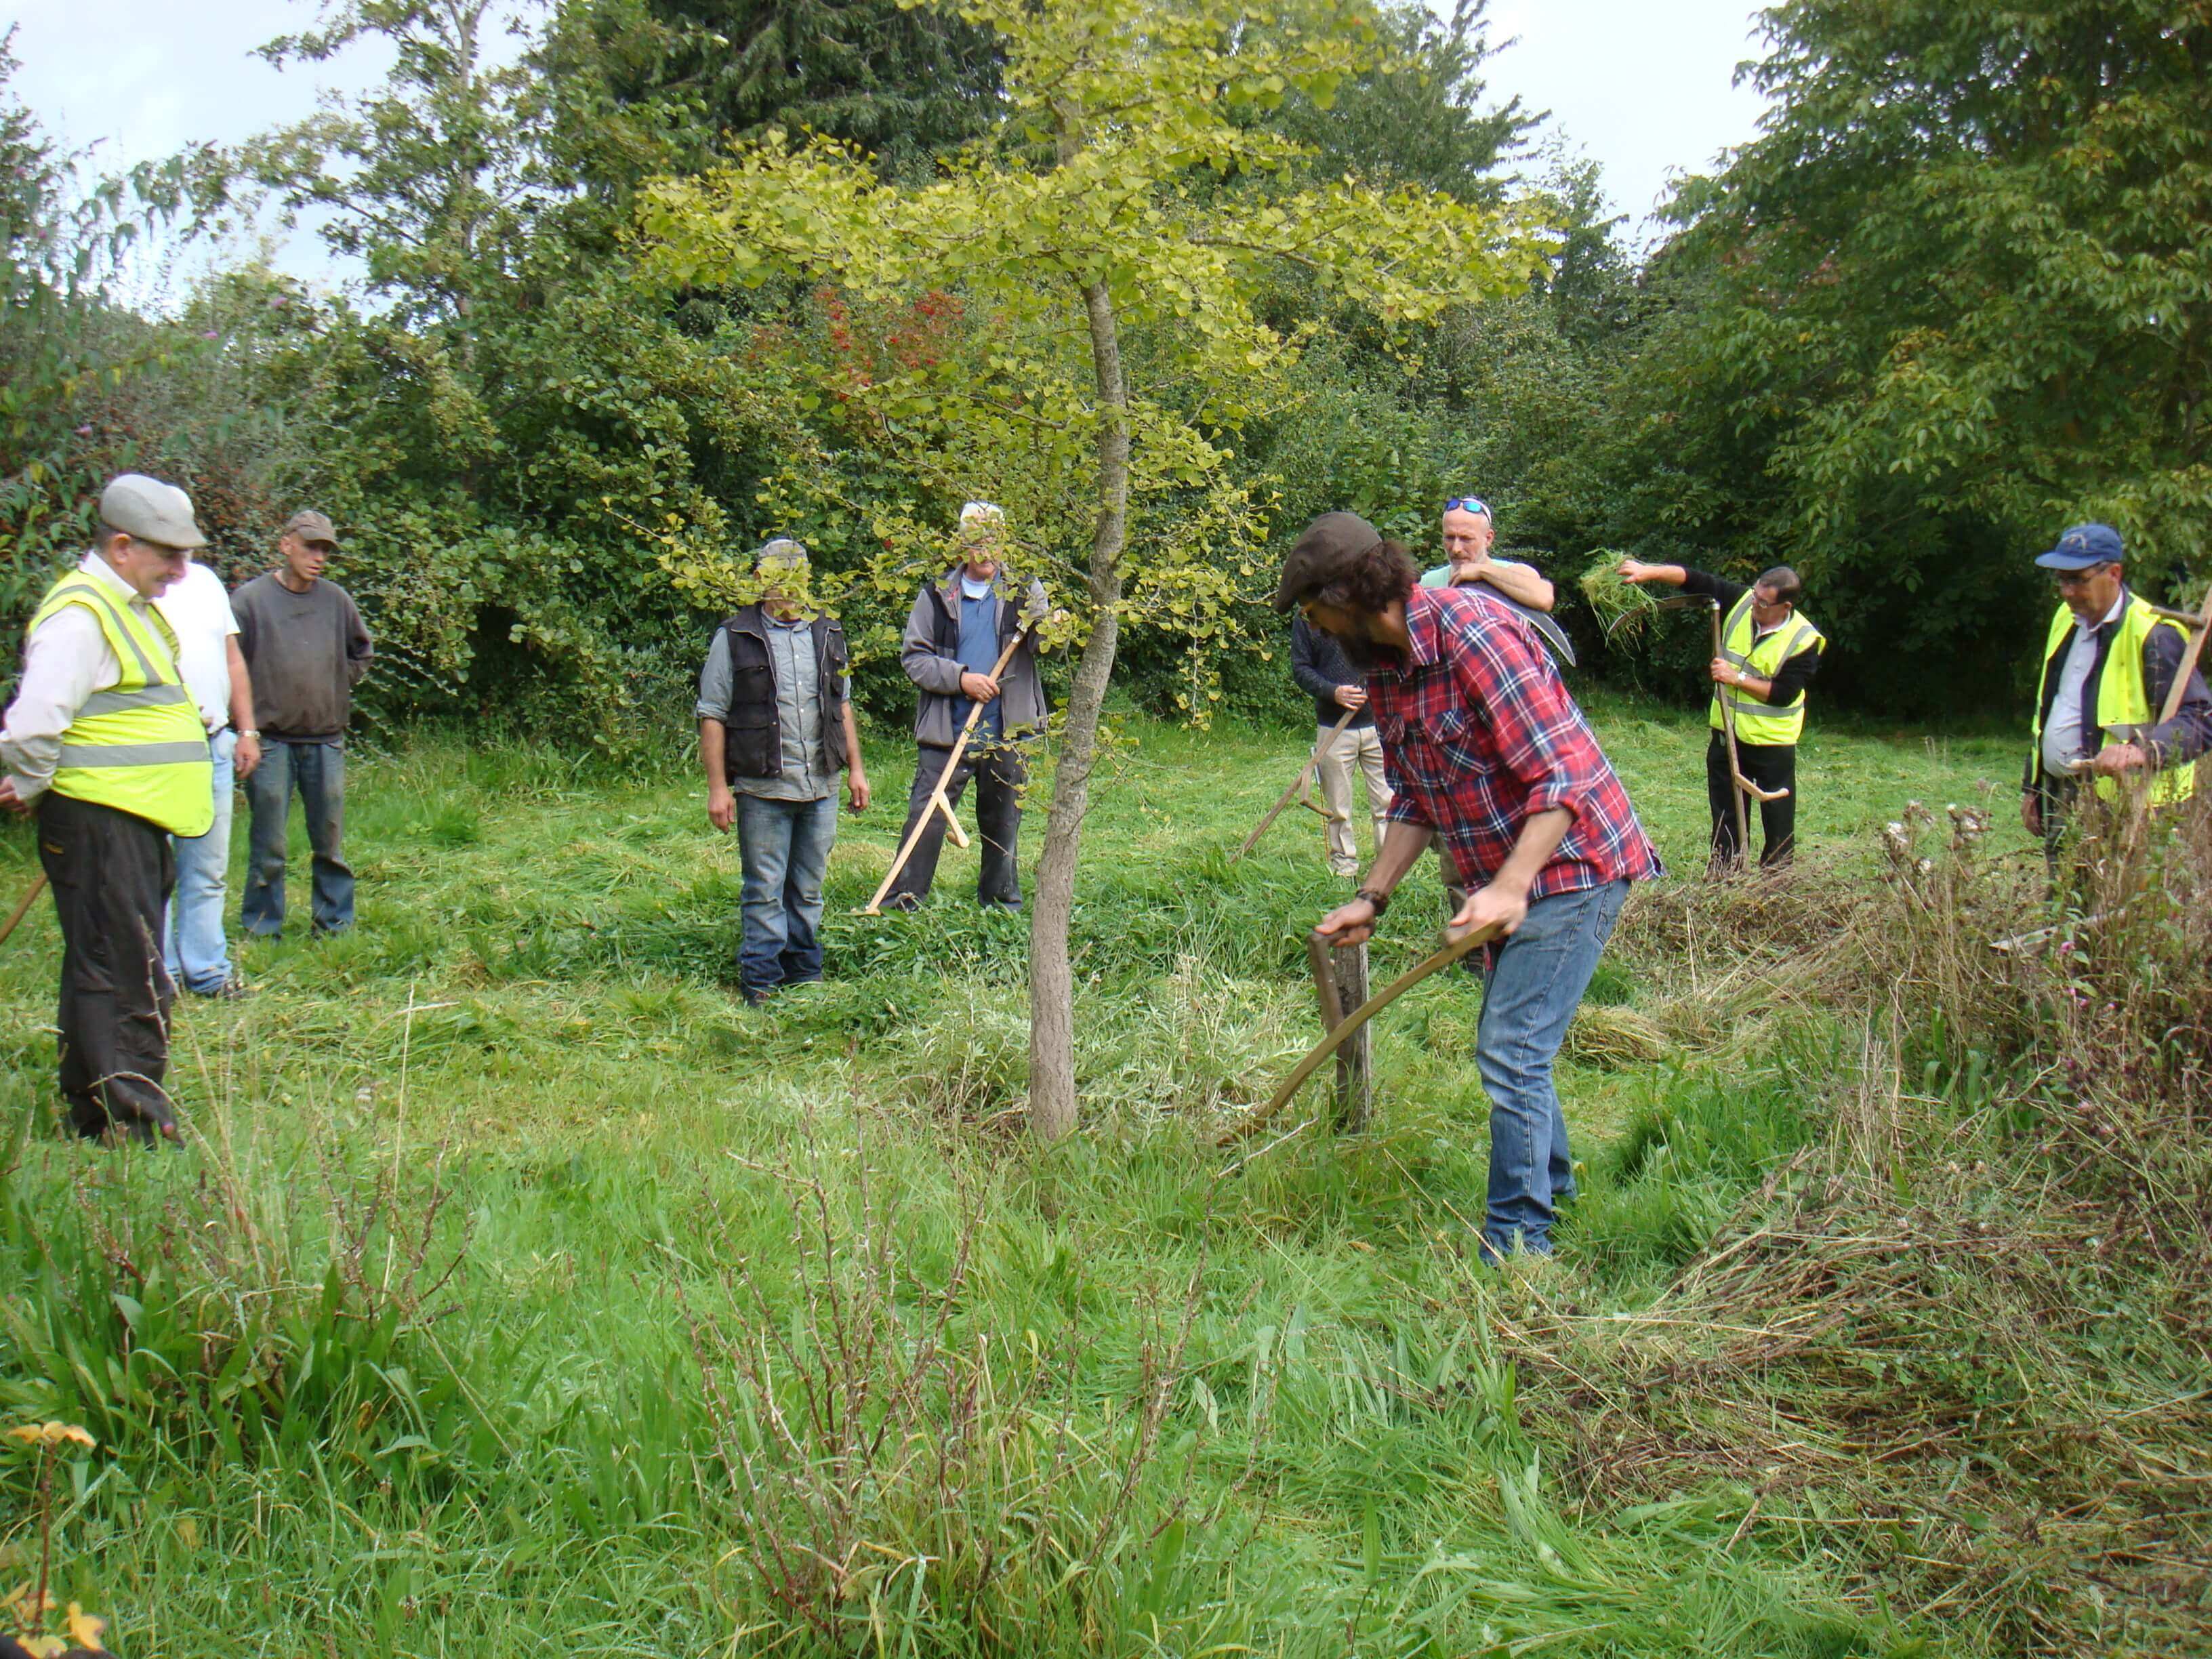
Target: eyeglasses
<point>2078,578</point>
<point>1467,504</point>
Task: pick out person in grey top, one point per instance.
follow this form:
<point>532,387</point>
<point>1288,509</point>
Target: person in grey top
<point>955,635</point>
<point>305,648</point>
<point>776,727</point>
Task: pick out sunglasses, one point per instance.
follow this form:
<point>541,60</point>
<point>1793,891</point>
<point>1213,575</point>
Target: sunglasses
<point>1467,504</point>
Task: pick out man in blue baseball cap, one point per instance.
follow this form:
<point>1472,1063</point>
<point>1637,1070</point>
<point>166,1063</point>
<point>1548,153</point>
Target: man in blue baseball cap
<point>2108,663</point>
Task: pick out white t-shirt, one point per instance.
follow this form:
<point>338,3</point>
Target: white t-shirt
<point>199,610</point>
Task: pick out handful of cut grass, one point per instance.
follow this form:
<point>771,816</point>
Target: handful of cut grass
<point>1621,606</point>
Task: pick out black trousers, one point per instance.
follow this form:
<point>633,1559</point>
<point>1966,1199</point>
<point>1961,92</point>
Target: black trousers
<point>111,874</point>
<point>1769,765</point>
<point>999,771</point>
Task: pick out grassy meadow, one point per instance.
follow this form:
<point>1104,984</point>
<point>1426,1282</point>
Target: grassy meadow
<point>522,1292</point>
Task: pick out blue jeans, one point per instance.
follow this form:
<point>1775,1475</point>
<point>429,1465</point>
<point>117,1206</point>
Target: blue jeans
<point>317,770</point>
<point>1530,990</point>
<point>192,945</point>
<point>783,846</point>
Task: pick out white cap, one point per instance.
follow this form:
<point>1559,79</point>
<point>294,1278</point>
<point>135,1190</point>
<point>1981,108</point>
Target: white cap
<point>976,512</point>
<point>150,510</point>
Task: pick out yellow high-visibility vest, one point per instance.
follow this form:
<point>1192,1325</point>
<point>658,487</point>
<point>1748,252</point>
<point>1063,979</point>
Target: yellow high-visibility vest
<point>1757,721</point>
<point>2123,698</point>
<point>139,746</point>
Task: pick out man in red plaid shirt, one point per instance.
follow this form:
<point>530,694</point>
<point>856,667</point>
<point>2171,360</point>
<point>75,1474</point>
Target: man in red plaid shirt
<point>1489,757</point>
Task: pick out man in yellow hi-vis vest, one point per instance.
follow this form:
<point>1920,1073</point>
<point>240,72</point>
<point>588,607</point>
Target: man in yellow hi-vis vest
<point>1769,652</point>
<point>106,744</point>
<point>2108,663</point>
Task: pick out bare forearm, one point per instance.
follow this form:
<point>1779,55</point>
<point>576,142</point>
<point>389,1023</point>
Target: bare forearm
<point>712,738</point>
<point>853,761</point>
<point>1402,846</point>
<point>1519,582</point>
<point>1539,839</point>
<point>241,690</point>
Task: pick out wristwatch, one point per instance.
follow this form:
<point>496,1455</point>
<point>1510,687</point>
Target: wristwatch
<point>1380,901</point>
<point>256,736</point>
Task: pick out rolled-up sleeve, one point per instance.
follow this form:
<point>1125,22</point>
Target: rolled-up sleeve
<point>65,660</point>
<point>1540,737</point>
<point>715,680</point>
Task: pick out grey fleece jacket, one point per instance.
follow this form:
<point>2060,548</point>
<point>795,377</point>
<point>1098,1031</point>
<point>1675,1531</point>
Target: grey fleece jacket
<point>930,654</point>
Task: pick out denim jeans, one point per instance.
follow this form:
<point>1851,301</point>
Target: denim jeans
<point>317,770</point>
<point>783,847</point>
<point>1530,991</point>
<point>193,949</point>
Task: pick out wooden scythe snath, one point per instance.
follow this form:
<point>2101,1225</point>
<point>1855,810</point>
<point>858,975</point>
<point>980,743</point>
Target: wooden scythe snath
<point>1451,952</point>
<point>938,801</point>
<point>1320,751</point>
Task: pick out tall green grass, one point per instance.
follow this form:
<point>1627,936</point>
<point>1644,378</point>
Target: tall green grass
<point>525,1293</point>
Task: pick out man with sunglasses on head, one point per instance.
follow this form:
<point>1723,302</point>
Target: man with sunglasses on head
<point>1469,528</point>
<point>2108,663</point>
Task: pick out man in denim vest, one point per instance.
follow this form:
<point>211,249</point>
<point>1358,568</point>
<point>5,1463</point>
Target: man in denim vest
<point>776,727</point>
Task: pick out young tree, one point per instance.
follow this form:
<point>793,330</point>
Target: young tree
<point>1096,217</point>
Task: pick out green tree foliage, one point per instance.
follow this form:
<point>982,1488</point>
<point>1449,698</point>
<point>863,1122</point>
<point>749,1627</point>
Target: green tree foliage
<point>904,83</point>
<point>1955,298</point>
<point>507,434</point>
<point>1415,112</point>
<point>66,349</point>
<point>1124,297</point>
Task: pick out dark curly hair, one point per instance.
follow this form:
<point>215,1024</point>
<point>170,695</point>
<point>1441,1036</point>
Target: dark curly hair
<point>1372,581</point>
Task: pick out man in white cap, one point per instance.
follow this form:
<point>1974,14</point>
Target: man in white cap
<point>305,646</point>
<point>197,610</point>
<point>955,635</point>
<point>103,742</point>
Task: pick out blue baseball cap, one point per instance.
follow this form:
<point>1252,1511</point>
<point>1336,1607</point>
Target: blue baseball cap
<point>2084,545</point>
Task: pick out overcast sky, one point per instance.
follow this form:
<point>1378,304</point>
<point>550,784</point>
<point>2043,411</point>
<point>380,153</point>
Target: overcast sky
<point>1643,88</point>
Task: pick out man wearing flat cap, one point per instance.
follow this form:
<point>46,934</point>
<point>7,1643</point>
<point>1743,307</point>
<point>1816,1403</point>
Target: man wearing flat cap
<point>305,648</point>
<point>104,742</point>
<point>1489,757</point>
<point>2109,662</point>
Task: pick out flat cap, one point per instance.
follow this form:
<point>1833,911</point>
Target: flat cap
<point>150,510</point>
<point>781,551</point>
<point>311,526</point>
<point>1323,554</point>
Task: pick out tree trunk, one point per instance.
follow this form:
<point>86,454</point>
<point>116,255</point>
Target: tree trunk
<point>1051,982</point>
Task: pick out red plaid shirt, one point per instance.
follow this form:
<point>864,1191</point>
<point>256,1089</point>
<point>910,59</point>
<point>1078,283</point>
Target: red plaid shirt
<point>1480,735</point>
